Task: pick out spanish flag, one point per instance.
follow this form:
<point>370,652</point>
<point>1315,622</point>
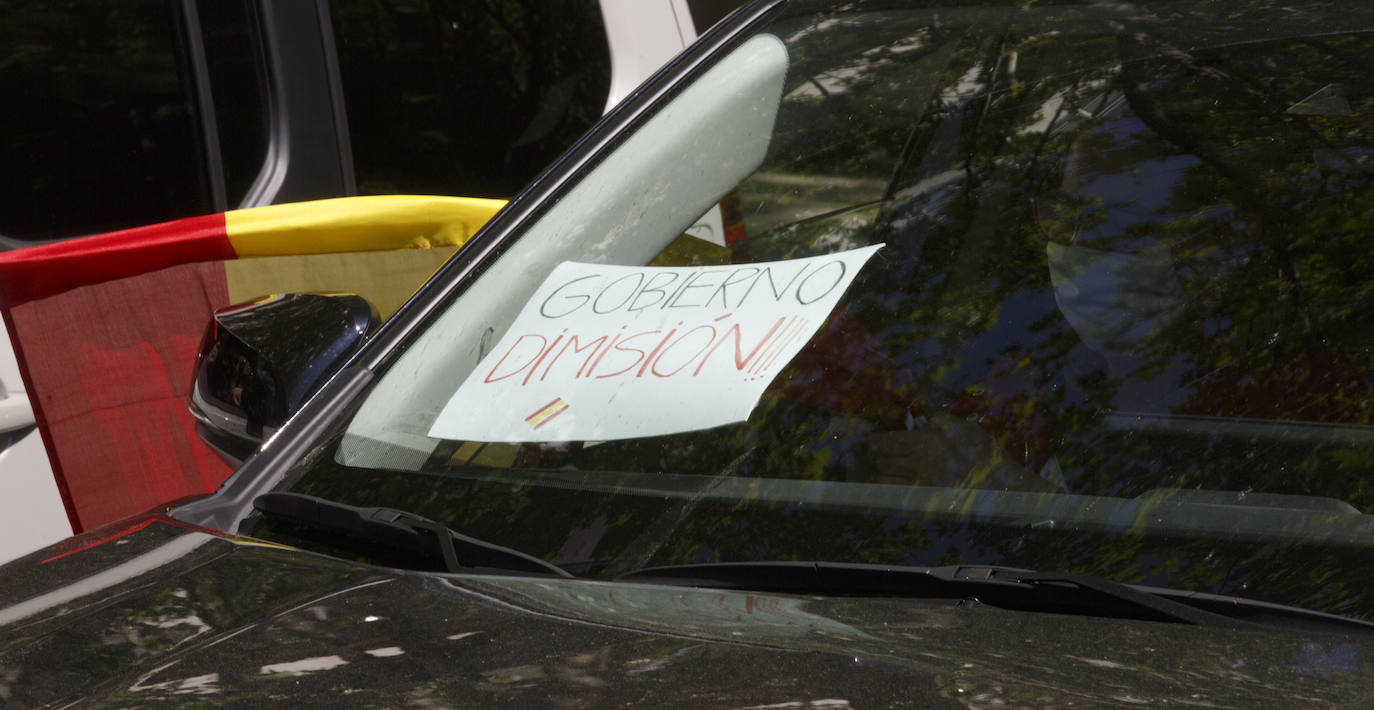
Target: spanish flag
<point>106,327</point>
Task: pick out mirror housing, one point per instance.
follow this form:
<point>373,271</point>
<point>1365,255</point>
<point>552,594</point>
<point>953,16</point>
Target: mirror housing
<point>260,361</point>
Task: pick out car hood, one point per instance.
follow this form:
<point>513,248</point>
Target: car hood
<point>151,612</point>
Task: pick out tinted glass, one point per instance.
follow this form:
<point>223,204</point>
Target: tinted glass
<point>100,126</point>
<point>708,12</point>
<point>467,98</point>
<point>235,60</point>
<point>1113,317</point>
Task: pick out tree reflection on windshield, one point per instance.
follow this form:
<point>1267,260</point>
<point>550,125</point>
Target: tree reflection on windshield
<point>1119,276</point>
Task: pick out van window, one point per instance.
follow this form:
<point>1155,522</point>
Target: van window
<point>237,64</point>
<point>102,127</point>
<point>467,98</point>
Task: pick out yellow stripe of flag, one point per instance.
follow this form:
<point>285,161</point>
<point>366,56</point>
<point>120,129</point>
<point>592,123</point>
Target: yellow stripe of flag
<point>354,224</point>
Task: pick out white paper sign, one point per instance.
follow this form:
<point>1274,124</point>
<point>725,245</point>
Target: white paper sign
<point>619,352</point>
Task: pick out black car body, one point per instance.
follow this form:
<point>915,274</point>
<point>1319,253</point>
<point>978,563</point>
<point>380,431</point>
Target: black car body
<point>1030,369</point>
<point>170,616</point>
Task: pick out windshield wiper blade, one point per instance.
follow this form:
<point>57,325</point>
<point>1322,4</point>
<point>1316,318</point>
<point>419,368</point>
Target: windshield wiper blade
<point>401,530</point>
<point>1004,588</point>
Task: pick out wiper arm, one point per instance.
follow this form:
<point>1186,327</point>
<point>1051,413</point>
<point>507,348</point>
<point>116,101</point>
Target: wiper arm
<point>398,529</point>
<point>1005,588</point>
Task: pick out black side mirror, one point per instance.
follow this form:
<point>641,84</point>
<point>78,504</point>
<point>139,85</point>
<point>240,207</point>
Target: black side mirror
<point>260,361</point>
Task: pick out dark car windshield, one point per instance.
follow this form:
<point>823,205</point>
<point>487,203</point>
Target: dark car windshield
<point>1079,287</point>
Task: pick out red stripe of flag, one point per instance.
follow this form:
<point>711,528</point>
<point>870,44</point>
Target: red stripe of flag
<point>47,269</point>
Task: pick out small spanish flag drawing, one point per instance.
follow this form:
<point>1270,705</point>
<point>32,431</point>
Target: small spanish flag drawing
<point>544,414</point>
